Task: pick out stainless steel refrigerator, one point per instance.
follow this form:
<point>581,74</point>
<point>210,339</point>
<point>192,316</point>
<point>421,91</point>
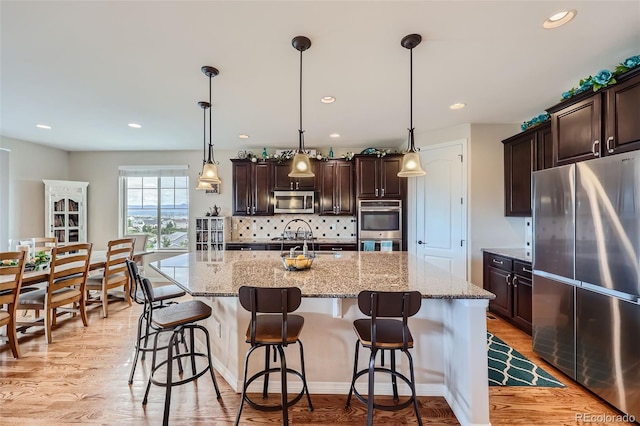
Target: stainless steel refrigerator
<point>590,317</point>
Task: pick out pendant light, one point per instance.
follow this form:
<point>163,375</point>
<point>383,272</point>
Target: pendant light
<point>411,160</point>
<point>210,168</point>
<point>301,166</point>
<point>205,106</point>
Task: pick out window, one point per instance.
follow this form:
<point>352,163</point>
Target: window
<point>155,202</point>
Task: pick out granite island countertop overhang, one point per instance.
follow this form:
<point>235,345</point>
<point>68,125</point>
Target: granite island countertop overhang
<point>332,275</point>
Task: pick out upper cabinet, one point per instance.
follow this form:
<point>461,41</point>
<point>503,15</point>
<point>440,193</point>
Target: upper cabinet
<point>592,125</point>
<point>577,129</point>
<point>377,177</point>
<point>622,131</point>
<point>337,196</point>
<point>252,188</point>
<point>282,181</point>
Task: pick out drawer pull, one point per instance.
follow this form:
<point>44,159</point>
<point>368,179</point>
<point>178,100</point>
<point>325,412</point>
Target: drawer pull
<point>526,270</point>
<point>245,248</point>
<point>499,262</point>
<point>336,248</point>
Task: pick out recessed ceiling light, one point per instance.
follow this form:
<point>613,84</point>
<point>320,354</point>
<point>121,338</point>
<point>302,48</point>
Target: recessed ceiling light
<point>560,18</point>
<point>43,126</point>
<point>458,105</point>
<point>243,136</point>
<point>334,135</point>
<point>327,99</point>
<point>134,125</point>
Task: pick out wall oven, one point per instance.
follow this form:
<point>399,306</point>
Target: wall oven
<point>293,201</point>
<point>380,220</point>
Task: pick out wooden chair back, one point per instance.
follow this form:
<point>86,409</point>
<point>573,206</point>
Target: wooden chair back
<point>11,270</point>
<point>141,241</point>
<point>115,269</point>
<point>69,267</point>
<point>45,244</point>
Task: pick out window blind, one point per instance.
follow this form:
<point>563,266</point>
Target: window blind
<point>162,171</point>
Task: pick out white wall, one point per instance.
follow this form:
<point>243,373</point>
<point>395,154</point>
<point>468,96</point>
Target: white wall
<point>487,224</point>
<point>29,164</point>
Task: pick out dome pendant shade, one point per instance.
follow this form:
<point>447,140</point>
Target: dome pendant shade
<point>203,185</point>
<point>301,166</point>
<point>411,161</point>
<point>209,173</point>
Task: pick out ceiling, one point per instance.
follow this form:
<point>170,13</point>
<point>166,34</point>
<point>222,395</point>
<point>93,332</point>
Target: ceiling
<point>88,68</point>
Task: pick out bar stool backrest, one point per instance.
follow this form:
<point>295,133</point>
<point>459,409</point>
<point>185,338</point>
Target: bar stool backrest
<point>389,304</point>
<point>147,290</point>
<point>271,300</point>
<point>135,279</point>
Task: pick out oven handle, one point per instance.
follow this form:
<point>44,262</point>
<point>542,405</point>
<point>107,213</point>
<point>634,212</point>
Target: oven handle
<point>380,209</point>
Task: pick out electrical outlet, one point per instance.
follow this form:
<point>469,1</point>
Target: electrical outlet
<point>235,226</point>
<point>255,226</point>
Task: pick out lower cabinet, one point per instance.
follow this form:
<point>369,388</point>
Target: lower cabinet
<point>510,280</point>
<point>245,247</point>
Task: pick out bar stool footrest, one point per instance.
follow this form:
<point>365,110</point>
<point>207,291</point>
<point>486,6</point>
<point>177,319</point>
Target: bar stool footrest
<point>385,407</point>
<point>262,407</point>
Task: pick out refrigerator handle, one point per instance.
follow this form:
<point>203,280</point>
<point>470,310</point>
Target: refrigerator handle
<point>593,148</point>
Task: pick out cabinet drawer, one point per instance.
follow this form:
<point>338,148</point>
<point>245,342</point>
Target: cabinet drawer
<point>499,262</point>
<point>522,268</point>
<point>337,247</point>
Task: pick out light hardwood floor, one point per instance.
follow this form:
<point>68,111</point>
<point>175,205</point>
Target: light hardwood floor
<point>82,378</point>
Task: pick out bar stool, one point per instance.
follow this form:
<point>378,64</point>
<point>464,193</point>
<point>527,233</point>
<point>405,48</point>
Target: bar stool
<point>161,295</point>
<point>273,327</point>
<point>379,333</point>
<point>176,319</point>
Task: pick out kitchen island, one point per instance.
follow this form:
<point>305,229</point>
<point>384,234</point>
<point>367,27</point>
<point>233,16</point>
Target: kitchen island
<point>450,353</point>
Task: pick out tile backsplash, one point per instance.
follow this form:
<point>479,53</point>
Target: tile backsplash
<point>252,227</point>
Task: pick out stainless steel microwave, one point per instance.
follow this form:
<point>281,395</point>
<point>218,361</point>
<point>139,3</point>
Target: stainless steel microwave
<point>293,201</point>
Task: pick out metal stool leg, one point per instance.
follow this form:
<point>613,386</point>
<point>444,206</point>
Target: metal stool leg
<point>244,383</point>
<point>213,377</point>
<point>265,386</point>
<point>153,366</point>
<point>137,354</point>
<point>283,388</point>
<point>372,366</point>
<point>355,371</point>
<point>304,375</point>
<point>413,388</point>
<point>394,382</point>
<point>167,394</point>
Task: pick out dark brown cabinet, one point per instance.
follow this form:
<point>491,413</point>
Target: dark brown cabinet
<point>377,177</point>
<point>282,181</point>
<point>510,280</point>
<point>576,126</point>
<point>337,195</point>
<point>251,188</point>
<point>622,131</point>
<point>524,153</point>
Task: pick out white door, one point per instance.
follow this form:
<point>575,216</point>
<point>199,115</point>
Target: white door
<point>440,220</point>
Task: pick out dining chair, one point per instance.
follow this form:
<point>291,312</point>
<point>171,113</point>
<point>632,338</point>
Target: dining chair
<point>66,286</point>
<point>11,270</point>
<point>114,275</point>
<point>45,244</point>
<point>140,246</point>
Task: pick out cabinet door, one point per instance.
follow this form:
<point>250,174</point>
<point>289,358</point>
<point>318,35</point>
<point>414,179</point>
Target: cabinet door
<point>367,177</point>
<point>242,191</point>
<point>623,117</point>
<point>262,205</point>
<point>281,179</point>
<point>308,183</point>
<point>544,149</point>
<point>327,181</point>
<point>499,283</point>
<point>344,194</point>
<point>577,131</point>
<point>391,186</point>
<point>517,175</point>
<point>522,302</point>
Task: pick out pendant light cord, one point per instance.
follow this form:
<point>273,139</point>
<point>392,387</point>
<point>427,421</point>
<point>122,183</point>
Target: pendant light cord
<point>210,159</point>
<point>204,135</point>
<point>412,147</point>
<point>301,136</point>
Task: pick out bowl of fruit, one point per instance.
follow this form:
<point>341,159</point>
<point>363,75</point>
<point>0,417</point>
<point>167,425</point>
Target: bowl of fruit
<point>296,262</point>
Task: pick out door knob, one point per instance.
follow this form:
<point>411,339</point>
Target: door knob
<point>420,242</point>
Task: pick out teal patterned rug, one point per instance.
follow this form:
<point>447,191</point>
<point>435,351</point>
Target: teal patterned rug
<point>508,367</point>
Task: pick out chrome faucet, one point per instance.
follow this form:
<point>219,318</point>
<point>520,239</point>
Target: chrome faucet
<point>304,234</point>
<point>292,251</point>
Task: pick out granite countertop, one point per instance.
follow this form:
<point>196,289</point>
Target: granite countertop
<point>272,241</point>
<point>341,275</point>
<point>523,254</point>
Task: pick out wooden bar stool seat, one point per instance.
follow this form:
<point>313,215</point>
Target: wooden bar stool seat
<point>385,330</point>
